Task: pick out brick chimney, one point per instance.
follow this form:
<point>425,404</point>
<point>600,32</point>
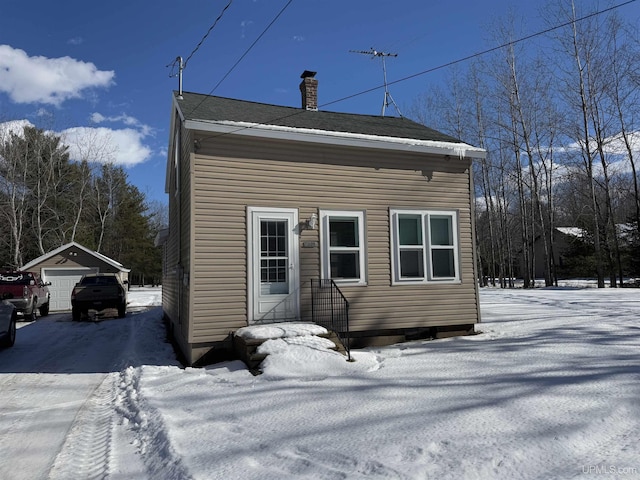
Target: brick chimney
<point>309,90</point>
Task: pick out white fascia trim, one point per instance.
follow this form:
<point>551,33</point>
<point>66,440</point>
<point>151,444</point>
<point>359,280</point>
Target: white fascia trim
<point>461,150</point>
<point>62,248</point>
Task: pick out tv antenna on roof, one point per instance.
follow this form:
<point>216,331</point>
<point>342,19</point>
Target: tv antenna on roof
<point>388,99</point>
<point>179,64</point>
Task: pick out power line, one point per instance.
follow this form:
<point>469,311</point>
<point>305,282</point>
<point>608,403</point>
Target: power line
<point>478,54</point>
<point>244,54</point>
<point>207,34</point>
<point>415,75</point>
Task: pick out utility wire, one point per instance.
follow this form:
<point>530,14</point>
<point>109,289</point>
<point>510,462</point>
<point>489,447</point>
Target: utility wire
<point>207,34</point>
<point>424,72</point>
<point>478,54</point>
<point>243,55</point>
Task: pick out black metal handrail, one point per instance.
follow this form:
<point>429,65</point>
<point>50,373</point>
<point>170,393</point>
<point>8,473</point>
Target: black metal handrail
<point>330,309</point>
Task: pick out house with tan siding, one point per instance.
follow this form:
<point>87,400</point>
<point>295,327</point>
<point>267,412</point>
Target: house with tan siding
<point>264,199</point>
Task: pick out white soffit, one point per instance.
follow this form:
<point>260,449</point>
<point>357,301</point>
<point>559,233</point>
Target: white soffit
<point>461,150</point>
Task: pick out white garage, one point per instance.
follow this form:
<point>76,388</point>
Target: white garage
<point>63,268</point>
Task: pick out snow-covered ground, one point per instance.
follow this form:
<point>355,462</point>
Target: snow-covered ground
<point>550,389</point>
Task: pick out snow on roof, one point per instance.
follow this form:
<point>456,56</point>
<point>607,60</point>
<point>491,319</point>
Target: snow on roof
<point>458,149</point>
<point>62,248</point>
<point>572,231</point>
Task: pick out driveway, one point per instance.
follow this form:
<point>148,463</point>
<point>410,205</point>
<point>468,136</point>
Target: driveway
<point>57,390</point>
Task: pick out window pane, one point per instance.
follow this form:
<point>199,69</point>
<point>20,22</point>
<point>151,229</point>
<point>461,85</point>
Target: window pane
<point>443,263</point>
<point>345,265</point>
<point>441,231</point>
<point>411,263</point>
<point>273,240</point>
<point>410,229</point>
<point>343,232</point>
<point>273,276</point>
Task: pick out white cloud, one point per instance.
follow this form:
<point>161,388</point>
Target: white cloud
<point>125,119</point>
<point>47,80</point>
<point>298,38</point>
<point>123,147</point>
<point>75,41</point>
<point>97,117</point>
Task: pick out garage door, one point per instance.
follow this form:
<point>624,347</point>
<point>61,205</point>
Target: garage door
<point>62,282</point>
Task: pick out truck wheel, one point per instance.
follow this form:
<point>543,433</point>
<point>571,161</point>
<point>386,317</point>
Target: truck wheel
<point>44,310</point>
<point>10,338</point>
<point>122,311</point>
<point>75,314</point>
<point>34,314</point>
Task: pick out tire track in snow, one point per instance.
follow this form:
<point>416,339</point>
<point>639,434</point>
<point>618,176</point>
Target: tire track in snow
<point>150,432</point>
<point>111,413</point>
<point>87,447</point>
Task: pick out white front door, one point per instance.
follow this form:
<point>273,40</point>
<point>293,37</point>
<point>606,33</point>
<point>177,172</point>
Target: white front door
<point>274,272</point>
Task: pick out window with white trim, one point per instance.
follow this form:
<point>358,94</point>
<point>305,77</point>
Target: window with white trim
<point>424,246</point>
<point>343,246</point>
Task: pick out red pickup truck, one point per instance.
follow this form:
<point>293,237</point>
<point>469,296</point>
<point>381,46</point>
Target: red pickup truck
<point>26,291</point>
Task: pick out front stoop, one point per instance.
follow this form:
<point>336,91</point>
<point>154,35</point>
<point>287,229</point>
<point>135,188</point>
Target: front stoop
<point>246,349</point>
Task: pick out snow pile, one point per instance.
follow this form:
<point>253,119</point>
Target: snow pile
<point>144,297</point>
<point>280,330</point>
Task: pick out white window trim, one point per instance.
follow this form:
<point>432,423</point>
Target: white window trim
<point>426,247</point>
<point>176,160</point>
<point>325,248</point>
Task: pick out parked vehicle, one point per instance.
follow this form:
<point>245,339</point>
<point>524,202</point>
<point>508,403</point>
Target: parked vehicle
<point>26,291</point>
<point>8,319</point>
<point>98,291</point>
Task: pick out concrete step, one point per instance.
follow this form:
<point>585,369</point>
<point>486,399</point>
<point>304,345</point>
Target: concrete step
<point>246,349</point>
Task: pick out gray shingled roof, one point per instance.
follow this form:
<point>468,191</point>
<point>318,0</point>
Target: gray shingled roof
<point>195,106</point>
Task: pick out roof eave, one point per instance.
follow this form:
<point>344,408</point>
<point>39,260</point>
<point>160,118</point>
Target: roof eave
<point>277,132</point>
<point>64,247</point>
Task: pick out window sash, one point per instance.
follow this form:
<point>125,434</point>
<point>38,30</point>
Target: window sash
<point>343,254</point>
<point>428,254</point>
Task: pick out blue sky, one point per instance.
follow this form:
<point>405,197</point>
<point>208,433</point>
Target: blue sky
<point>97,72</point>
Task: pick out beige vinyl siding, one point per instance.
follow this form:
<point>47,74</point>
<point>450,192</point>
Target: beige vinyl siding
<point>231,173</point>
<point>175,295</point>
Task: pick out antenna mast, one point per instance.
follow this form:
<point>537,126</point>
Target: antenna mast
<point>180,64</point>
<point>388,99</point>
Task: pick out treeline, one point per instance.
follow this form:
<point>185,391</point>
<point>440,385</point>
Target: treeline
<point>559,116</point>
<point>48,200</point>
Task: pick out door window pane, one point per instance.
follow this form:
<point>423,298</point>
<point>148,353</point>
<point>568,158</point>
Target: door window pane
<point>273,240</point>
<point>274,258</point>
